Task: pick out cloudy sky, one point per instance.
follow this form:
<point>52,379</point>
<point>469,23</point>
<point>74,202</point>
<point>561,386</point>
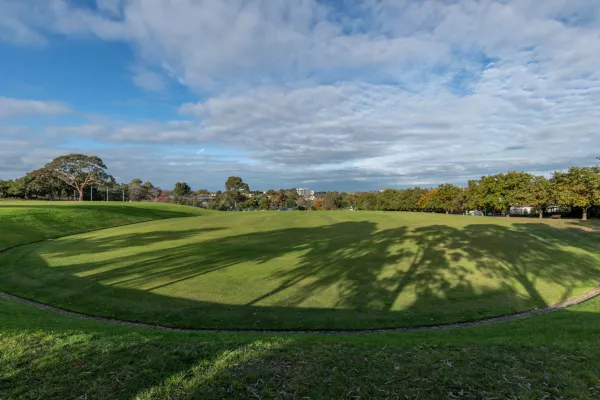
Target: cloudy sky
<point>330,95</point>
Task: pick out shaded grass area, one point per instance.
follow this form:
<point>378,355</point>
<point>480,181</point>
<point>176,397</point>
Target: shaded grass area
<point>308,271</point>
<point>30,221</point>
<point>54,357</point>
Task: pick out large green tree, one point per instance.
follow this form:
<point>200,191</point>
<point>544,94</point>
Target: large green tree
<point>249,203</point>
<point>136,191</point>
<point>389,200</point>
<point>4,185</point>
<point>471,199</point>
<point>332,200</point>
<point>539,193</point>
<point>497,192</point>
<point>447,197</point>
<point>578,187</point>
<point>281,198</point>
<point>152,192</point>
<point>42,183</point>
<point>490,192</point>
<point>18,187</point>
<point>264,203</point>
<point>367,201</point>
<point>429,200</point>
<point>515,182</point>
<point>181,189</point>
<point>79,171</point>
<point>236,189</point>
<point>400,200</point>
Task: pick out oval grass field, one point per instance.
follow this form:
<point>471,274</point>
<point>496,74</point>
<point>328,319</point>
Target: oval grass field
<point>308,270</point>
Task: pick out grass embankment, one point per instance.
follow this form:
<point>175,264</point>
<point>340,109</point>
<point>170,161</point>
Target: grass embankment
<point>29,221</point>
<point>310,270</point>
<point>44,355</point>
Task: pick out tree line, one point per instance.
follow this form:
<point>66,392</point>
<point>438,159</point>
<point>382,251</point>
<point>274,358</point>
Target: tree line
<point>79,177</point>
<point>74,175</point>
<point>577,188</point>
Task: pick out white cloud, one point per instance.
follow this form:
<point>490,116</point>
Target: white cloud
<point>112,7</point>
<point>14,29</point>
<point>208,43</point>
<point>119,132</point>
<point>10,107</point>
<point>394,91</point>
<point>382,127</point>
<point>149,81</point>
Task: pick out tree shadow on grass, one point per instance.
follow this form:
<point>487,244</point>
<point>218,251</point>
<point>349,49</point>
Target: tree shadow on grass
<point>517,257</point>
<point>369,270</point>
<point>87,245</point>
<point>529,252</point>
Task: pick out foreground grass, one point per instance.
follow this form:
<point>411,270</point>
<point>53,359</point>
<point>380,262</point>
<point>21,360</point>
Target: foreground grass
<point>48,356</point>
<point>29,221</point>
<point>312,270</point>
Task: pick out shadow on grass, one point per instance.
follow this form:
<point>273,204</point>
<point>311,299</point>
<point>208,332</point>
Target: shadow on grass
<point>79,246</point>
<point>46,356</point>
<point>553,355</point>
<point>354,257</point>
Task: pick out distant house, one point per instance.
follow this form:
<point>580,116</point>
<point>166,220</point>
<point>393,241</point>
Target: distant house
<point>522,210</point>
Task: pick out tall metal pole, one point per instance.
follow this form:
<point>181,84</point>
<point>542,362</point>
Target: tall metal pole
<point>91,190</point>
<point>123,190</point>
<point>106,192</point>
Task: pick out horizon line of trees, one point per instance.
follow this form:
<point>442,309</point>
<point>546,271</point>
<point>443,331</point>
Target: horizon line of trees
<point>69,176</point>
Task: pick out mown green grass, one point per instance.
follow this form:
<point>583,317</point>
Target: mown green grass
<point>312,270</point>
<point>48,356</point>
<point>29,221</point>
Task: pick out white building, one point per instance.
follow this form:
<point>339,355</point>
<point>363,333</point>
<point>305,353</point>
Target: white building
<point>304,192</point>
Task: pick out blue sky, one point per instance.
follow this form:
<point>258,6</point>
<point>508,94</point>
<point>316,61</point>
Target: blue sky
<point>330,95</point>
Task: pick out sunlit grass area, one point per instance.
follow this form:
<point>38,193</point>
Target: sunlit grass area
<point>301,269</point>
<point>307,270</point>
<point>29,221</point>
